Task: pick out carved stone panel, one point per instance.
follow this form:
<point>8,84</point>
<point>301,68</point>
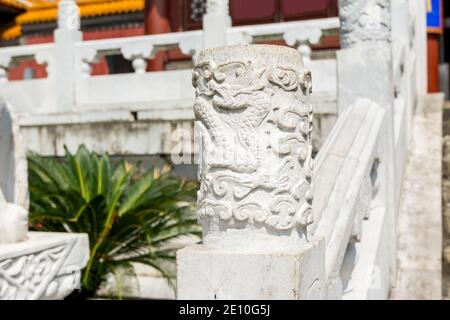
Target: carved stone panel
<point>254,123</point>
<point>45,267</point>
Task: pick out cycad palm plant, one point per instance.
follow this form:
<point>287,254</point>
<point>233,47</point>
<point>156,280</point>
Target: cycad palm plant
<point>129,217</point>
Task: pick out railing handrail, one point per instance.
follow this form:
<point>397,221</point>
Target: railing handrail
<point>258,30</point>
<point>8,53</point>
<point>164,41</point>
<point>187,41</point>
<point>349,163</point>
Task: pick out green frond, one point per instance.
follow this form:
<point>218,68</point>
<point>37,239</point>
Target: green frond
<point>129,217</point>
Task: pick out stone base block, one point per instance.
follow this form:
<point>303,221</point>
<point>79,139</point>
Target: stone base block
<point>209,274</point>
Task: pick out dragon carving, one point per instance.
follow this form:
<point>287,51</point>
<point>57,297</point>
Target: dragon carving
<point>255,123</point>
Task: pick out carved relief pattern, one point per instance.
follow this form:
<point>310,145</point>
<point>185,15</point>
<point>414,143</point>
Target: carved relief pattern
<point>68,15</point>
<point>364,21</point>
<point>217,6</point>
<point>255,124</point>
<point>40,275</point>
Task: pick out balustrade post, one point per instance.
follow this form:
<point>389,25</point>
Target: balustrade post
<point>365,29</point>
<point>3,74</point>
<point>302,39</point>
<point>365,70</point>
<point>13,180</point>
<point>4,66</point>
<point>253,127</point>
<point>216,21</point>
<point>66,36</point>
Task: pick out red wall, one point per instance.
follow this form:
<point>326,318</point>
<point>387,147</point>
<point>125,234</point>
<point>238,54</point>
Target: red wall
<point>433,62</point>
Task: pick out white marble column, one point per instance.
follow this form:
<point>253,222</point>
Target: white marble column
<point>253,126</point>
<point>365,70</point>
<point>366,21</point>
<point>366,43</point>
<point>66,35</point>
<point>216,21</point>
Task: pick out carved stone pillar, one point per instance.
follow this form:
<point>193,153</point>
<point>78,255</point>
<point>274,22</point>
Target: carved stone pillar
<point>66,35</point>
<point>254,123</point>
<point>253,126</point>
<point>364,21</point>
<point>215,23</point>
<point>365,70</point>
<point>365,45</point>
<point>218,7</point>
<point>68,15</point>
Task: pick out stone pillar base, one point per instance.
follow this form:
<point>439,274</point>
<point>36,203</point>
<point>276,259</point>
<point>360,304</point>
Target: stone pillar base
<point>208,274</point>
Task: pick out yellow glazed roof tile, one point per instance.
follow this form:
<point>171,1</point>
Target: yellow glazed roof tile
<point>44,11</point>
<point>15,4</point>
<point>10,32</point>
<point>38,11</point>
<point>24,4</point>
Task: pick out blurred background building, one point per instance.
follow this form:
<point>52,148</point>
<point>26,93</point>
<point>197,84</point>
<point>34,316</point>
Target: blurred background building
<point>30,22</point>
<point>33,21</point>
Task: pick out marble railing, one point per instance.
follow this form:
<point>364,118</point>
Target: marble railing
<point>347,192</point>
<point>136,49</point>
<point>9,56</point>
<point>33,265</point>
<point>69,59</point>
<point>139,48</point>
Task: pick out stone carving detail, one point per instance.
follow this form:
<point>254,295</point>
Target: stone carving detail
<point>44,274</point>
<point>253,129</point>
<point>68,15</point>
<point>364,21</point>
<point>217,6</point>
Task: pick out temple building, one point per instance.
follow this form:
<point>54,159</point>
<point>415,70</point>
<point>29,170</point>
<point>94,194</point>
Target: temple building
<point>33,22</point>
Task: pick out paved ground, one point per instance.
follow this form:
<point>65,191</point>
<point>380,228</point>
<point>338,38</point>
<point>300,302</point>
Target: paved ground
<point>420,215</point>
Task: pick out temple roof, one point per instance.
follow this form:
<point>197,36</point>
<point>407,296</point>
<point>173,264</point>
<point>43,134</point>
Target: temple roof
<point>42,11</point>
<point>24,4</point>
<point>10,32</point>
<point>47,11</point>
<point>16,4</point>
